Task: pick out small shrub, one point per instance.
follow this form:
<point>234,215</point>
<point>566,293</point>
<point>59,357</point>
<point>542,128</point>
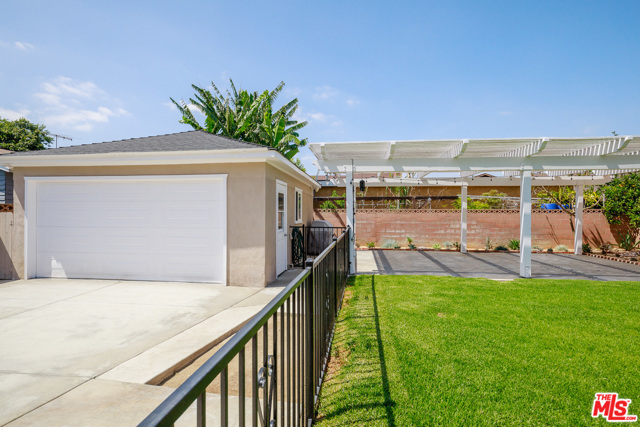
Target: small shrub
<point>456,246</point>
<point>628,241</point>
<point>447,245</point>
<point>436,246</point>
<point>604,248</point>
<point>550,250</point>
<point>411,245</point>
<point>586,248</point>
<point>389,244</point>
<point>357,245</point>
<point>396,246</point>
<point>561,248</point>
<point>501,248</point>
<point>514,244</point>
<point>488,244</point>
<point>371,245</point>
<point>536,248</point>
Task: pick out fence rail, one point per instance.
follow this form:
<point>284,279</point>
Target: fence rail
<point>286,345</point>
<point>310,241</point>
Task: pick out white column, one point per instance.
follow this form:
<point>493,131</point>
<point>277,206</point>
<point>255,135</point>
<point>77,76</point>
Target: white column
<point>577,241</point>
<point>351,220</point>
<point>463,219</point>
<point>525,224</point>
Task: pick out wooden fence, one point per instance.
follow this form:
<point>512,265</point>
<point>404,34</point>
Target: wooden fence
<point>7,269</point>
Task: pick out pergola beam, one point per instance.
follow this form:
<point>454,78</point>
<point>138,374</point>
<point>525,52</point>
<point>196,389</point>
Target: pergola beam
<point>457,150</point>
<point>485,164</point>
<point>480,181</point>
<point>536,147</point>
<point>608,147</point>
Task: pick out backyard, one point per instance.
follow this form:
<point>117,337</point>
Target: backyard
<point>420,350</point>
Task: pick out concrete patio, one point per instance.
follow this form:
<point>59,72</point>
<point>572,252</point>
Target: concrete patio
<point>82,352</point>
<point>493,265</point>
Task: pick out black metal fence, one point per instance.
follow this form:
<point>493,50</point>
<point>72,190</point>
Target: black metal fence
<point>286,347</point>
<point>310,241</point>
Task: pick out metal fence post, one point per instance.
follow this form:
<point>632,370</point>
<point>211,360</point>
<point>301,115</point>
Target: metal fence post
<point>335,276</point>
<point>310,333</point>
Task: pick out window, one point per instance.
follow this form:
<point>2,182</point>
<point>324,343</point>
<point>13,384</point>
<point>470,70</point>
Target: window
<point>298,205</point>
<point>280,211</point>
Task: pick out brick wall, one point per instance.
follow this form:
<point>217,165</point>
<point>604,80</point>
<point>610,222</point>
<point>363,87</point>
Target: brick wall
<point>548,229</point>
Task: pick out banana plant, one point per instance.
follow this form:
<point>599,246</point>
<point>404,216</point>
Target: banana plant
<point>247,116</point>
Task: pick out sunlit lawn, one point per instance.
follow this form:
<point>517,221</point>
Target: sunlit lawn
<point>420,350</point>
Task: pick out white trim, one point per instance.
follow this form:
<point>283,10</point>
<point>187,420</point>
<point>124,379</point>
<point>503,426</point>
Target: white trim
<point>295,209</point>
<point>162,158</point>
<point>285,225</point>
<point>30,209</point>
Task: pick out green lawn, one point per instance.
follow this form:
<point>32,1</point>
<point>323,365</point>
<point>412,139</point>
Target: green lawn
<point>421,350</point>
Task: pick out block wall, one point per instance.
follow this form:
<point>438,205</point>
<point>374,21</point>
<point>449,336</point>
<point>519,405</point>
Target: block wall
<point>548,228</point>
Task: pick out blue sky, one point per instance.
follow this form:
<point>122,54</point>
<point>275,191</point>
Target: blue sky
<point>368,70</point>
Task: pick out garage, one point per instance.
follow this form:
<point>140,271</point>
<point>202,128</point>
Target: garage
<point>164,228</point>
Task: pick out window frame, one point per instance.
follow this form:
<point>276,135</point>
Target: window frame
<point>298,214</point>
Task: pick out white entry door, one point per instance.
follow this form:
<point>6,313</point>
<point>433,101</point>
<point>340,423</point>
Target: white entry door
<point>281,227</point>
<point>169,228</point>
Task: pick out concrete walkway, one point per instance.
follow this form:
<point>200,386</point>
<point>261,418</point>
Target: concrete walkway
<point>79,352</point>
<point>493,265</point>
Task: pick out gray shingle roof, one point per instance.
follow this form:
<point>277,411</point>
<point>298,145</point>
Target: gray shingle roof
<point>194,140</point>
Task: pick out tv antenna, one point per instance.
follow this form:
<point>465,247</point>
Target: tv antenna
<point>60,136</point>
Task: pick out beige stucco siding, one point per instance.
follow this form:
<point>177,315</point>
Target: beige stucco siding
<point>245,214</point>
<point>273,174</point>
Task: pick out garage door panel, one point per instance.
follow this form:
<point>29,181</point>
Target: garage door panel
<point>82,233</point>
<point>103,240</point>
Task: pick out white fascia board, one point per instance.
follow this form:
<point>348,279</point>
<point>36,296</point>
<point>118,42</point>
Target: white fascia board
<point>485,164</point>
<point>283,164</point>
<point>143,158</point>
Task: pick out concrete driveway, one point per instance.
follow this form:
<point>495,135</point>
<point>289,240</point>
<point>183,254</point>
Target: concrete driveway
<point>61,335</point>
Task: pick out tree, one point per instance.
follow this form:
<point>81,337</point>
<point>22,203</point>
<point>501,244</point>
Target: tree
<point>247,116</point>
<point>622,199</point>
<point>22,135</point>
<point>565,197</point>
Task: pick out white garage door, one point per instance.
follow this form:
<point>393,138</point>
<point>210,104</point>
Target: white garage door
<point>168,228</point>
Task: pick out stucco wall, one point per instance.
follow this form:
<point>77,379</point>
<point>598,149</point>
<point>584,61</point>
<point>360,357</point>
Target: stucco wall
<point>273,174</point>
<point>245,215</point>
<point>548,229</point>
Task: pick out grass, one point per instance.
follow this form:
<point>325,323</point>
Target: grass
<point>420,350</point>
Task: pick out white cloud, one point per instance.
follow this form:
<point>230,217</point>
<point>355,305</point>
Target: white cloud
<point>77,105</point>
<point>316,118</point>
<point>352,102</point>
<point>24,46</point>
<point>13,114</point>
<point>325,93</point>
<point>170,106</point>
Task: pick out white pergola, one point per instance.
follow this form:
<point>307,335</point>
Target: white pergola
<point>518,159</point>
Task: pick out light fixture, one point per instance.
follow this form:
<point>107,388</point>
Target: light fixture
<point>362,185</point>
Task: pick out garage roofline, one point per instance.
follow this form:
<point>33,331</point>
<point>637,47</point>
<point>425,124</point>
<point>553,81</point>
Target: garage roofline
<point>257,155</point>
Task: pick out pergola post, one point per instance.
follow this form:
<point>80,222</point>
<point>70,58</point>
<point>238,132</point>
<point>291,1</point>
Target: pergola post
<point>351,220</point>
<point>577,241</point>
<point>463,219</point>
<point>525,224</point>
